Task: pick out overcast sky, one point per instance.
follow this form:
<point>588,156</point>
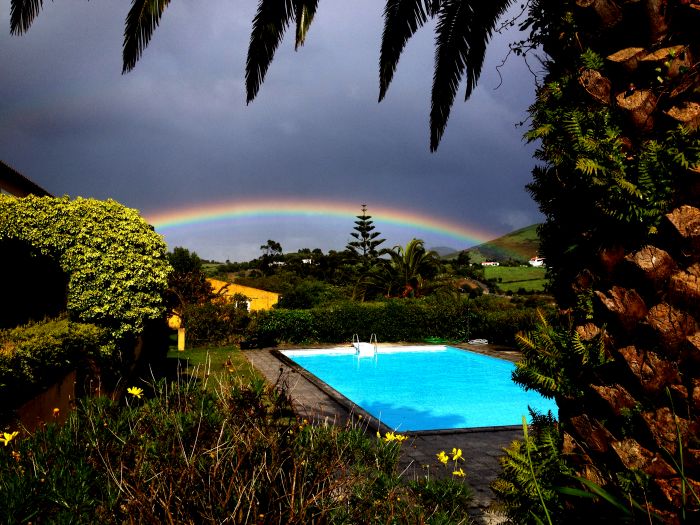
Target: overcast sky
<point>176,131</point>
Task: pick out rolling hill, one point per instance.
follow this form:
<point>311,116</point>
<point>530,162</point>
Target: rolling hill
<point>521,244</point>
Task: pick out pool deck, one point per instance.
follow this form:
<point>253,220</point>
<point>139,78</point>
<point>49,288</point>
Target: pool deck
<point>480,447</point>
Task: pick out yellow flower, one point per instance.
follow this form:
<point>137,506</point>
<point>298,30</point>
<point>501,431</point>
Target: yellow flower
<point>135,391</point>
<point>459,473</point>
<point>442,457</point>
<point>390,436</point>
<point>56,412</point>
<point>6,438</point>
<point>457,454</point>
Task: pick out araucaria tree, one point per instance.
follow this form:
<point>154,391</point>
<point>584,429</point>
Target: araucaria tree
<point>366,239</point>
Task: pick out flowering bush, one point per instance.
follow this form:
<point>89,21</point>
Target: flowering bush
<point>183,454</point>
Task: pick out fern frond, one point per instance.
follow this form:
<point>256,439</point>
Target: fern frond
<point>589,166</point>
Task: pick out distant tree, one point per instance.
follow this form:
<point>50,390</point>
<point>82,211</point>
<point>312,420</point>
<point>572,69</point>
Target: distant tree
<point>366,239</point>
<point>406,274</point>
<point>272,251</point>
<point>184,261</point>
<point>187,284</point>
<point>308,293</point>
<point>272,248</point>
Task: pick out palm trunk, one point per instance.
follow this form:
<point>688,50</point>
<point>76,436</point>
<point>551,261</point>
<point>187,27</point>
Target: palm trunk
<point>635,276</point>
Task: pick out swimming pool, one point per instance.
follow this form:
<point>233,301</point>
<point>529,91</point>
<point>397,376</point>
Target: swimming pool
<point>425,387</point>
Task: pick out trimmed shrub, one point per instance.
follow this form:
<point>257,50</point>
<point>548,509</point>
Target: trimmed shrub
<point>293,326</point>
<point>495,319</point>
<point>32,357</point>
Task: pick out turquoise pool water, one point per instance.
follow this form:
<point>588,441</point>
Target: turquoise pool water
<point>426,387</point>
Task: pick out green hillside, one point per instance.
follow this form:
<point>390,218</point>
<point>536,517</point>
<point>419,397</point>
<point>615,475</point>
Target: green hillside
<point>521,244</point>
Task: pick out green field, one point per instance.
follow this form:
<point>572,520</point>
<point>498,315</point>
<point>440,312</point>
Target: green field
<point>515,278</point>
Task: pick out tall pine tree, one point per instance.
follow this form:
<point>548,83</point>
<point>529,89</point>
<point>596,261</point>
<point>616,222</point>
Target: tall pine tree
<point>366,239</point>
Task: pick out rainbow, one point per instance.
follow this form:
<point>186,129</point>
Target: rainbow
<point>168,220</point>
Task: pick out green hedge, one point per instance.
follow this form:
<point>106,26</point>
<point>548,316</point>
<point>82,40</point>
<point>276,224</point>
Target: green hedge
<point>495,319</point>
<point>32,357</point>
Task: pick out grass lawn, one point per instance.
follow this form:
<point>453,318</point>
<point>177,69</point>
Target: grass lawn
<point>220,363</point>
<point>517,277</point>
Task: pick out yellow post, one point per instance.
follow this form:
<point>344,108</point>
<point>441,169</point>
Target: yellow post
<point>181,339</point>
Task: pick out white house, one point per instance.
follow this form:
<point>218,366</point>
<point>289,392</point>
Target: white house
<point>537,262</point>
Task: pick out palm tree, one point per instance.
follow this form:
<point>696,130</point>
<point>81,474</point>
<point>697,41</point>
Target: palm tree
<point>407,271</point>
<point>617,120</point>
<point>462,32</point>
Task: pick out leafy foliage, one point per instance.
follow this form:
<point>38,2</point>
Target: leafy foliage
<point>36,355</point>
<point>557,362</point>
<point>463,29</point>
<point>239,454</point>
<point>309,293</point>
<point>462,32</point>
<point>597,165</point>
<point>187,283</point>
<point>410,272</point>
<point>214,322</point>
<point>142,20</point>
<point>115,262</point>
<point>521,496</point>
<point>495,319</point>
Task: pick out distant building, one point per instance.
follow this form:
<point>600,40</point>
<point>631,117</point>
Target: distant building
<point>537,262</point>
<point>257,299</point>
<point>14,183</point>
<point>490,263</point>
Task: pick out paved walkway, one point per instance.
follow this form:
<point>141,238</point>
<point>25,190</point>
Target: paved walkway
<point>480,448</point>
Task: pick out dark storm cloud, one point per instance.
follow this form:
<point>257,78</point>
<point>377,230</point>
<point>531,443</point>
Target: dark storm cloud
<point>176,130</point>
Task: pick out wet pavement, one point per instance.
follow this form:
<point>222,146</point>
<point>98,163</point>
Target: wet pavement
<point>480,447</point>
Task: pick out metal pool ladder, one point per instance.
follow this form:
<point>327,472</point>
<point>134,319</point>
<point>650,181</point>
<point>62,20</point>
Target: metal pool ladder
<point>365,349</point>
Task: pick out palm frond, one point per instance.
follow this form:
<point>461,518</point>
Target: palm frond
<point>269,24</point>
<point>22,14</point>
<point>464,27</point>
<point>141,22</point>
<point>402,18</point>
<point>305,10</point>
<point>486,15</point>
